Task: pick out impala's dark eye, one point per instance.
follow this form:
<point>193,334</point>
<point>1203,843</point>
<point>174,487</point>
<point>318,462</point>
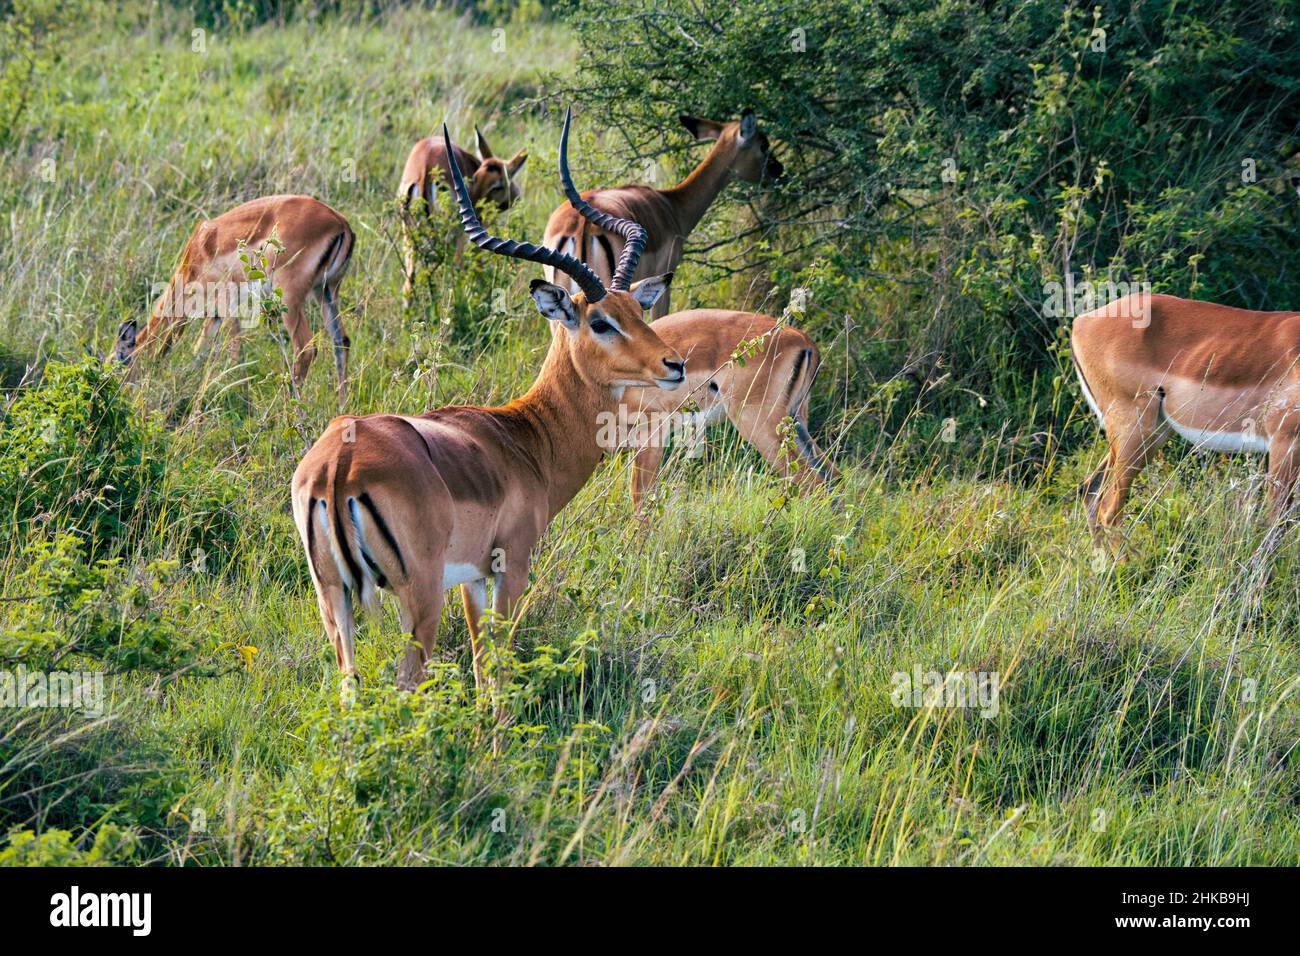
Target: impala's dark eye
<point>601,327</point>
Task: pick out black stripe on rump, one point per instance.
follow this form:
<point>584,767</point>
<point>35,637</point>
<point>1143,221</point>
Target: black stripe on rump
<point>329,253</point>
<point>311,536</point>
<point>380,578</point>
<point>794,378</point>
<point>348,558</point>
<point>364,498</point>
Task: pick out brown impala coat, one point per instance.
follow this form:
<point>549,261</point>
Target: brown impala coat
<point>418,504</point>
<point>428,167</point>
<point>771,387</point>
<point>668,215</point>
<point>318,245</point>
<point>1224,378</point>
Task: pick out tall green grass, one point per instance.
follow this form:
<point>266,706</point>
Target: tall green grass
<point>714,689</point>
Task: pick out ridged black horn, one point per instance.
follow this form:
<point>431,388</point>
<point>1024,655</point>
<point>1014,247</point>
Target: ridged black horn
<point>633,233</point>
<point>587,280</point>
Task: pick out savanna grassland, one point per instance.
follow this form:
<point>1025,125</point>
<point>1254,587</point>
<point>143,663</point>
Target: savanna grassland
<point>713,688</point>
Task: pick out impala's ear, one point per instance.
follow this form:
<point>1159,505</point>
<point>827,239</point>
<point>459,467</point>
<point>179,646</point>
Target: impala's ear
<point>481,146</point>
<point>554,302</point>
<point>748,126</point>
<point>701,129</point>
<point>517,163</point>
<point>648,291</point>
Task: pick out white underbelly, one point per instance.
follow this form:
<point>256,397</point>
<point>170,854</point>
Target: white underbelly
<point>1087,397</point>
<point>1236,441</point>
<point>455,574</point>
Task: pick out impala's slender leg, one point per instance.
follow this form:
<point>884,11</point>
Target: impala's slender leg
<point>300,336</point>
<point>1135,433</point>
<point>342,633</point>
<point>423,605</point>
<point>329,304</point>
<point>1283,449</point>
<point>211,326</point>
<point>509,586</point>
<point>1090,489</point>
<point>645,469</point>
<point>798,459</point>
<point>759,427</point>
<point>408,248</point>
<point>163,328</point>
<point>820,461</point>
<point>332,628</point>
<point>474,597</point>
<point>234,339</point>
<point>1095,490</point>
<point>506,591</point>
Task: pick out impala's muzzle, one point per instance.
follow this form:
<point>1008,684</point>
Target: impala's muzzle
<point>676,375</point>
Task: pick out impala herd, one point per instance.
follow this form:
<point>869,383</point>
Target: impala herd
<point>419,504</point>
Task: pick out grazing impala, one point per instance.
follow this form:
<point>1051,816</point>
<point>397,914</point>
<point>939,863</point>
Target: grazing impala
<point>316,248</point>
<point>767,386</point>
<point>430,163</point>
<point>418,504</point>
<point>668,215</point>
<point>1225,379</point>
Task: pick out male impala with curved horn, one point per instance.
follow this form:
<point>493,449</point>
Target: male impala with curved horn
<point>316,248</point>
<point>668,215</point>
<point>417,504</point>
<point>1225,379</point>
<point>430,163</point>
<point>758,395</point>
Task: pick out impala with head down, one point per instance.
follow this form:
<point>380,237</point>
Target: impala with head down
<point>309,256</point>
<point>428,165</point>
<point>740,149</point>
<point>418,504</point>
<point>1225,379</point>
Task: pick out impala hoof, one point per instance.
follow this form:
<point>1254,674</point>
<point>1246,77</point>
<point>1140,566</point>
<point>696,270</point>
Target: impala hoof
<point>348,692</point>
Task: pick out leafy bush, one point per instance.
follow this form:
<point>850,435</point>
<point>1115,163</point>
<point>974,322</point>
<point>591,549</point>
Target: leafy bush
<point>112,846</point>
<point>29,43</point>
<point>67,612</point>
<point>75,455</point>
<point>72,452</point>
<point>945,161</point>
<point>72,618</point>
<point>388,774</point>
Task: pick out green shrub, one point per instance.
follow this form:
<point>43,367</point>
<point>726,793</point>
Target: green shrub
<point>89,621</point>
<point>389,777</point>
<point>112,846</point>
<point>76,456</point>
<point>73,454</point>
<point>945,161</point>
<point>67,612</point>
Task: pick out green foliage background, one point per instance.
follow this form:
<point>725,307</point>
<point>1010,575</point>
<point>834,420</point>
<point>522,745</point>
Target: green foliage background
<point>958,156</point>
<point>715,689</point>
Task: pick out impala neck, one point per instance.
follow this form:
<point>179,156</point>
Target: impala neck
<point>694,194</point>
<point>564,407</point>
